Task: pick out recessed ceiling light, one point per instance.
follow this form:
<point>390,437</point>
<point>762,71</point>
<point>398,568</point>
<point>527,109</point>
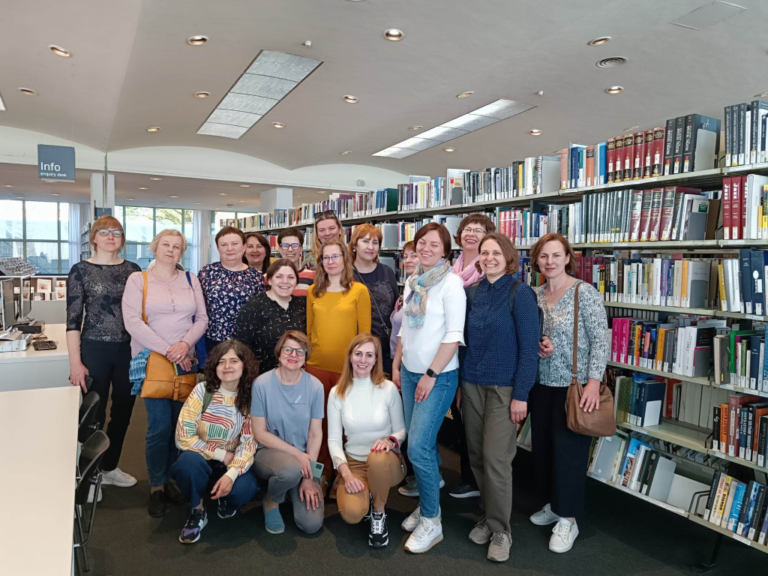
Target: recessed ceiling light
<point>245,185</point>
<point>614,90</point>
<point>394,35</point>
<point>49,181</point>
<point>599,41</point>
<point>155,178</point>
<point>222,193</point>
<point>27,91</point>
<point>59,51</point>
<point>198,203</point>
<point>631,128</point>
<point>55,194</point>
<point>130,198</point>
<point>198,40</point>
<point>20,197</point>
<point>239,201</point>
<point>415,128</point>
<point>8,186</point>
<point>346,152</point>
<point>464,95</point>
<point>349,99</point>
<point>535,132</point>
<point>450,149</point>
<point>322,192</point>
<point>202,94</point>
<point>174,196</point>
<point>278,125</point>
<point>153,129</point>
<point>143,188</point>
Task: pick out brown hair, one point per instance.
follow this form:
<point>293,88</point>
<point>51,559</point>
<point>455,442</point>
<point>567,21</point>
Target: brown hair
<point>250,371</point>
<point>277,264</point>
<point>290,232</point>
<point>570,267</point>
<point>361,232</point>
<point>410,245</point>
<point>511,256</point>
<point>482,219</point>
<point>322,281</point>
<point>347,374</point>
<point>230,230</point>
<point>326,216</point>
<point>261,239</point>
<point>105,223</point>
<point>299,337</point>
<point>442,231</point>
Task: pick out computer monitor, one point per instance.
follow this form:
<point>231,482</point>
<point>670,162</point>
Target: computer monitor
<point>8,309</point>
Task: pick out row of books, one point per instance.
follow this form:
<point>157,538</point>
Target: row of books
<point>424,192</point>
<point>740,428</point>
<point>739,507</point>
<point>745,207</point>
<point>739,359</point>
<point>534,175</point>
<point>686,144</point>
<point>745,133</point>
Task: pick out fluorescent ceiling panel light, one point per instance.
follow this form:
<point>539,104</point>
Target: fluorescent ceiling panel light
<point>502,109</point>
<point>470,122</point>
<point>269,79</point>
<point>396,153</point>
<point>442,134</point>
<point>2,104</point>
<point>418,144</point>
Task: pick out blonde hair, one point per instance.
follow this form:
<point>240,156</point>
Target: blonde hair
<point>154,245</point>
<point>347,375</point>
<point>322,281</point>
<point>105,223</point>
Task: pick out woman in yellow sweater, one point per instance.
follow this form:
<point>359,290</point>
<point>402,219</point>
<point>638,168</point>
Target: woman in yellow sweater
<point>338,309</point>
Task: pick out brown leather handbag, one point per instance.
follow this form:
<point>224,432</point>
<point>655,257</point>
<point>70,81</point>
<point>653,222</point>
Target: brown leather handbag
<point>161,380</point>
<point>599,422</point>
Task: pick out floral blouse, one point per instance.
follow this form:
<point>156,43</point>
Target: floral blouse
<point>225,293</point>
<point>594,343</point>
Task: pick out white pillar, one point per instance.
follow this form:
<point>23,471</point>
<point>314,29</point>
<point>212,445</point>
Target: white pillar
<point>275,199</point>
<point>98,198</point>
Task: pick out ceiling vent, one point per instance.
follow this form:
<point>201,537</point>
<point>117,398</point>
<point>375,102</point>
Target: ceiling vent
<point>612,62</point>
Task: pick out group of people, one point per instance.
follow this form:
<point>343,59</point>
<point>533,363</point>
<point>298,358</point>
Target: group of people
<point>296,390</point>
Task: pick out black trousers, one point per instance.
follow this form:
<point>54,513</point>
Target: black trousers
<point>560,457</point>
<point>108,364</point>
<point>467,477</point>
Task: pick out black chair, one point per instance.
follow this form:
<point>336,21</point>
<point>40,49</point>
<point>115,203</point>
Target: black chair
<point>88,424</point>
<point>90,457</point>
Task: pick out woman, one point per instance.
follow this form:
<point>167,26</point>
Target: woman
<point>560,456</point>
<point>176,320</point>
<point>365,408</point>
<point>267,316</point>
<point>290,244</point>
<point>99,347</point>
<point>470,233</point>
<point>380,281</point>
<point>227,285</point>
<point>327,227</point>
<point>338,309</point>
<point>214,436</point>
<point>257,251</point>
<point>427,367</point>
<point>497,373</point>
<point>286,414</point>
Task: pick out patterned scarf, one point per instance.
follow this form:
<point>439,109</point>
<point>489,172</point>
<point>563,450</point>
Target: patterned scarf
<point>416,304</point>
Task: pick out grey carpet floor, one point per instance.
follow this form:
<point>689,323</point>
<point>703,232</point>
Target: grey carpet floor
<point>622,536</point>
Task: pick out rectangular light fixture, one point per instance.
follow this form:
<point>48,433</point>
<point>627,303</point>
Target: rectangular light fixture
<point>269,79</point>
<point>2,104</point>
<point>480,118</point>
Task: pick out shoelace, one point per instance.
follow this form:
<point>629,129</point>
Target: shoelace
<point>423,529</point>
<point>377,524</point>
<point>563,529</point>
<point>498,539</point>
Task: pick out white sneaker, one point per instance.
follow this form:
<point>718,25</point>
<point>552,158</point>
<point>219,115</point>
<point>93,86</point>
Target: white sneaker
<point>118,478</point>
<point>545,516</point>
<point>91,490</point>
<point>412,522</point>
<point>563,536</point>
<point>425,536</point>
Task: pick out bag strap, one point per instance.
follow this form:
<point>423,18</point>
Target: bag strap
<point>189,279</point>
<point>471,295</point>
<point>207,397</point>
<point>144,297</point>
<point>575,373</point>
<point>512,291</point>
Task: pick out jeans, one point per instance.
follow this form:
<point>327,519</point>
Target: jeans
<point>423,421</point>
<point>161,451</point>
<point>193,472</point>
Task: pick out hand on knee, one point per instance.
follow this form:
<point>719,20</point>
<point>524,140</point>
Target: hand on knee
<point>378,460</point>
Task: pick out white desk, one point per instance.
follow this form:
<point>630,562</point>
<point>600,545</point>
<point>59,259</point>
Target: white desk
<point>31,369</point>
<point>38,480</point>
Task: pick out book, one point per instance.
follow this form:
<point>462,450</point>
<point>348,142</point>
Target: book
<point>701,144</point>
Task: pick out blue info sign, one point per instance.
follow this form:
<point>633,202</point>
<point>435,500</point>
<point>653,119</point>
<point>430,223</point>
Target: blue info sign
<point>56,162</point>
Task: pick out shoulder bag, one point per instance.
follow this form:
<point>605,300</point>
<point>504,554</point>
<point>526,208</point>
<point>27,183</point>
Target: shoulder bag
<point>599,422</point>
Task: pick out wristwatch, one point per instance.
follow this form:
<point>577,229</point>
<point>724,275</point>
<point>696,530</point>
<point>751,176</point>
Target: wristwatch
<point>432,374</point>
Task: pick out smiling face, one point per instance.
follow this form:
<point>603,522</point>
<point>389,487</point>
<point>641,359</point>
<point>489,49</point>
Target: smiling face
<point>327,229</point>
<point>430,249</point>
<point>254,252</point>
<point>410,261</point>
<point>552,259</point>
<point>169,250</point>
<point>290,248</point>
<point>283,282</point>
<point>367,249</point>
<point>471,236</point>
<point>230,367</point>
<point>363,359</point>
<point>231,249</point>
<point>293,359</point>
<point>333,260</point>
<point>492,261</point>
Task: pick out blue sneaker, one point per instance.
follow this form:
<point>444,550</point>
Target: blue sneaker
<point>194,526</point>
<point>226,509</point>
<point>273,521</point>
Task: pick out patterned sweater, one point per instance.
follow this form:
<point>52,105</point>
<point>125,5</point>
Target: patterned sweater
<point>221,429</point>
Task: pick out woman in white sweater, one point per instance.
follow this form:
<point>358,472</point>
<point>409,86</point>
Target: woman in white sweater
<point>366,408</point>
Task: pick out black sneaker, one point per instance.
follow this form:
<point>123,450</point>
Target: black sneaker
<point>225,509</point>
<point>194,526</point>
<point>157,504</point>
<point>464,491</point>
<point>368,515</point>
<point>173,495</point>
<point>379,535</point>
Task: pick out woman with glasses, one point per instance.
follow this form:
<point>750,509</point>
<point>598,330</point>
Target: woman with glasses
<point>99,346</point>
<point>267,316</point>
<point>287,411</point>
<point>257,251</point>
<point>290,243</point>
<point>380,281</point>
<point>338,309</point>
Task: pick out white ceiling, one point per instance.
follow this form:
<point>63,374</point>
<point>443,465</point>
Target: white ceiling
<point>132,69</point>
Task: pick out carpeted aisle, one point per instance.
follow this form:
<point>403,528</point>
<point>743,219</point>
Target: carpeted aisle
<point>624,535</point>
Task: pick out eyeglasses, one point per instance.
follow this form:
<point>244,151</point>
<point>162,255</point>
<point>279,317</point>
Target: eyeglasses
<point>115,233</point>
<point>331,258</point>
<point>299,351</point>
<point>326,214</point>
<point>475,230</point>
<point>295,246</point>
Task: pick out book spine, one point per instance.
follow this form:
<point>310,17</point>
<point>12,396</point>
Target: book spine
<point>629,156</point>
<point>639,160</point>
<point>716,428</point>
<point>688,143</point>
<point>679,140</point>
<point>610,160</point>
<point>669,147</point>
<point>728,143</point>
<point>619,159</point>
<point>742,133</point>
<point>735,135</point>
<point>659,137</point>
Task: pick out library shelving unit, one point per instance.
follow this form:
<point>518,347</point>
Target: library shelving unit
<point>85,241</point>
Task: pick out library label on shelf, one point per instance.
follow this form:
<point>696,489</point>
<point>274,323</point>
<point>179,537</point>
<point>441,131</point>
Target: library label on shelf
<point>742,539</point>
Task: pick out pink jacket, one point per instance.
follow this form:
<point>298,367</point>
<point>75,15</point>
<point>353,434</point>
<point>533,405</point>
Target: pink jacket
<point>170,307</point>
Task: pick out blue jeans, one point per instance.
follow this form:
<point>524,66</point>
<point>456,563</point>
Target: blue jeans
<point>423,421</point>
<point>161,451</point>
<point>192,473</point>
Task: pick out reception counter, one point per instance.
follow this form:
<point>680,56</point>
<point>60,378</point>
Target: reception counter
<point>31,369</point>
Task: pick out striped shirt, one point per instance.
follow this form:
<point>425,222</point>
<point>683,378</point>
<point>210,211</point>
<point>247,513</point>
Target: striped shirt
<point>306,279</point>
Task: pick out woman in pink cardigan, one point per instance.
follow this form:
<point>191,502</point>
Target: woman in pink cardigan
<point>173,300</point>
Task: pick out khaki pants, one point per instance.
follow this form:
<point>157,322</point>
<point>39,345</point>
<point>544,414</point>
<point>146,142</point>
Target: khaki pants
<point>379,473</point>
<point>491,443</point>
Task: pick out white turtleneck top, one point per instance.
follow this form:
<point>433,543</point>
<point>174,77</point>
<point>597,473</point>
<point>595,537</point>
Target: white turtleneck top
<point>366,414</point>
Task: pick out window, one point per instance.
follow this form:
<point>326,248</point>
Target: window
<point>142,225</point>
<point>37,231</point>
<point>220,220</point>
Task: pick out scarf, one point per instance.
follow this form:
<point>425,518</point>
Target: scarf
<point>416,304</point>
<point>470,275</point>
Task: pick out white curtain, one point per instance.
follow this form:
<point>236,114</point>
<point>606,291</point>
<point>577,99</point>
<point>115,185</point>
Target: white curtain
<point>201,239</point>
<point>75,223</point>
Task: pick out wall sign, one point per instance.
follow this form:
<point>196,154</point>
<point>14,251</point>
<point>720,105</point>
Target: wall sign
<point>56,163</point>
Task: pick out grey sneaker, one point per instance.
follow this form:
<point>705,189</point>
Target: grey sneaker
<point>411,489</point>
<point>498,551</point>
<point>480,534</point>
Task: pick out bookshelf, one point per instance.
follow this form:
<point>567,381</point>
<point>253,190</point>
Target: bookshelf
<point>698,520</point>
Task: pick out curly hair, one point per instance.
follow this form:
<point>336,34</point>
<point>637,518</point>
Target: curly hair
<point>250,371</point>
